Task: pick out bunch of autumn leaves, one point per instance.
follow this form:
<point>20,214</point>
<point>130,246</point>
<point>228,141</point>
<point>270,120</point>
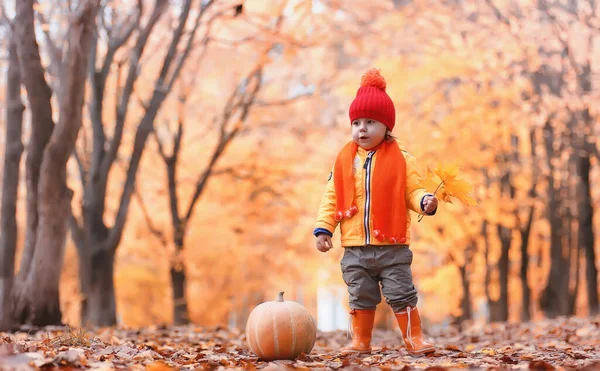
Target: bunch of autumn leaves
<point>444,183</point>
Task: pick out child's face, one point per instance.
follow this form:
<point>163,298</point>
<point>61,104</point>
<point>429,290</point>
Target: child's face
<point>368,133</point>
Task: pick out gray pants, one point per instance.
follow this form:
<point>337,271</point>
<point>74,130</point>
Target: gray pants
<point>364,268</point>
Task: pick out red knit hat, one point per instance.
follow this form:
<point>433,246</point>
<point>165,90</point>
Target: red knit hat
<point>372,101</point>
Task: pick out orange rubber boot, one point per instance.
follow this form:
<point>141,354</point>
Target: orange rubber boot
<point>362,327</point>
<point>410,325</point>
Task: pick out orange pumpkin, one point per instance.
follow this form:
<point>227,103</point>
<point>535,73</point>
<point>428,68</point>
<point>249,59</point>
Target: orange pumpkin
<point>280,330</point>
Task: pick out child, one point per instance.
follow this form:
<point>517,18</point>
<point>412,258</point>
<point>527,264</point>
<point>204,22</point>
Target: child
<point>373,185</point>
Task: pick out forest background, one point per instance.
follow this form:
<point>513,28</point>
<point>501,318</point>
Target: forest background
<point>196,137</point>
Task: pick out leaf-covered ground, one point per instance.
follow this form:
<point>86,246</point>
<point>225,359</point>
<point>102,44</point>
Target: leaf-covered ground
<point>567,344</point>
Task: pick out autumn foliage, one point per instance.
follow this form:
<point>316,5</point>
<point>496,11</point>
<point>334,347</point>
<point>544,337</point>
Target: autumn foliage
<point>547,345</point>
<point>196,178</point>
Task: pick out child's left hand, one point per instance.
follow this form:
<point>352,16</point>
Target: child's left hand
<point>430,203</point>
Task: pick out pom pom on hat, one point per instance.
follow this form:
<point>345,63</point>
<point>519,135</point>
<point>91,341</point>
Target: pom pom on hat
<point>373,78</point>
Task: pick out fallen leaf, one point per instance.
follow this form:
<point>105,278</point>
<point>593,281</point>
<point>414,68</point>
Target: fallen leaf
<point>452,347</point>
<point>585,331</point>
<point>488,351</point>
<point>470,347</point>
<point>159,366</point>
<point>540,365</point>
<point>509,360</point>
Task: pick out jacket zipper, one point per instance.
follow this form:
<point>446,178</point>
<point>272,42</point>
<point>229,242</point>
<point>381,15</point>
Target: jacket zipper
<point>367,167</point>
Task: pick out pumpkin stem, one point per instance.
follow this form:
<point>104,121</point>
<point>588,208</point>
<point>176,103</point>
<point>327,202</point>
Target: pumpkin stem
<point>280,296</point>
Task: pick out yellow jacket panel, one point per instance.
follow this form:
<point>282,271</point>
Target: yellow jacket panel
<point>353,229</point>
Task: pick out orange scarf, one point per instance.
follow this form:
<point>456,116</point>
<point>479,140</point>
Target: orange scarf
<point>388,185</point>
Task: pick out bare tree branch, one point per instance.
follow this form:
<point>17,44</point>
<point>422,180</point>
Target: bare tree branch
<point>55,52</point>
<point>128,88</point>
<point>172,179</point>
<point>177,138</point>
<point>77,233</point>
<point>80,166</point>
<point>578,14</point>
<point>161,147</point>
<point>246,101</point>
<point>155,231</point>
<point>559,30</point>
<point>141,102</point>
<point>95,110</point>
<point>188,47</point>
<point>114,43</point>
<point>151,226</point>
<point>146,124</point>
<point>98,78</point>
<point>172,50</point>
<point>501,17</point>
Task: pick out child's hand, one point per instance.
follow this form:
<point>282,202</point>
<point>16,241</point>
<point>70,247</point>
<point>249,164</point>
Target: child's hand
<point>430,203</point>
<point>324,243</point>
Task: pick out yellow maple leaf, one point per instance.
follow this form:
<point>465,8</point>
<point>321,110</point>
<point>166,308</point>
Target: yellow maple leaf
<point>461,190</point>
<point>454,187</point>
<point>446,174</point>
<point>444,196</point>
<point>433,184</point>
<point>450,185</point>
<point>431,181</point>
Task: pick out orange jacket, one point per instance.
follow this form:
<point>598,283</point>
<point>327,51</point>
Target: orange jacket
<point>353,229</point>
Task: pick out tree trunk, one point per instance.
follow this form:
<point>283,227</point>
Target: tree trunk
<point>180,310</point>
<point>98,244</point>
<point>554,299</point>
<point>38,297</point>
<point>493,305</point>
<point>526,291</point>
<point>466,304</point>
<point>105,152</point>
<point>586,232</point>
<point>571,229</point>
<point>500,306</point>
<point>576,252</point>
<point>503,266</point>
<point>525,231</point>
<point>38,95</point>
<point>99,304</point>
<point>92,245</point>
<point>10,185</point>
<point>465,301</point>
<point>178,275</point>
<point>37,300</point>
<point>586,211</point>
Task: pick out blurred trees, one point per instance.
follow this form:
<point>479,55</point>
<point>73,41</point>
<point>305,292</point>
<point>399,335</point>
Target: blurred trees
<point>271,44</point>
<point>248,106</point>
<point>13,150</point>
<point>522,96</point>
<point>96,242</point>
<point>34,297</point>
<point>558,94</point>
